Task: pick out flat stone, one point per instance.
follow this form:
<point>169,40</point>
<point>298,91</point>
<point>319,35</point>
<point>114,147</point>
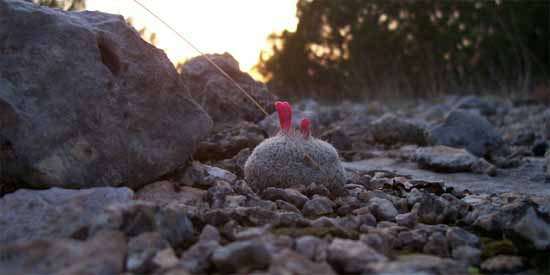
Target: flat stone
<point>503,264</point>
<point>104,253</point>
<point>419,264</point>
<point>198,258</point>
<point>312,247</point>
<point>205,176</point>
<point>459,237</point>
<point>289,262</point>
<point>165,192</point>
<point>136,217</point>
<point>289,195</point>
<point>317,207</point>
<point>142,249</point>
<point>407,219</point>
<point>348,256</point>
<point>27,215</point>
<point>383,209</point>
<point>467,254</point>
<point>241,256</point>
<point>451,160</point>
<point>437,245</point>
<point>165,259</point>
<point>531,174</point>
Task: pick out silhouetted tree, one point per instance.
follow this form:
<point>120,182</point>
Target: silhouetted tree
<point>358,47</point>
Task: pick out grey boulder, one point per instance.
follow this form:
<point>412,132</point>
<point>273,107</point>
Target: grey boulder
<point>219,96</point>
<point>468,130</point>
<point>85,102</point>
<point>390,129</point>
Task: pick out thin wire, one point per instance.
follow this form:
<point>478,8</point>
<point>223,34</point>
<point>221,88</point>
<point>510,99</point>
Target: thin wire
<point>206,57</point>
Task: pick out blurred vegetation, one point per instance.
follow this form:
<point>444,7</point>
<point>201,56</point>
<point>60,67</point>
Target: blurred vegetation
<point>357,48</point>
<point>68,5</point>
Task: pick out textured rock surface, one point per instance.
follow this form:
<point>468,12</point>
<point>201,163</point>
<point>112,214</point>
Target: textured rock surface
<point>141,251</point>
<point>348,256</point>
<point>165,192</point>
<point>229,140</point>
<point>390,129</point>
<point>219,96</point>
<point>484,107</point>
<point>242,256</point>
<point>531,175</point>
<point>520,217</point>
<point>205,176</point>
<point>86,102</point>
<point>36,214</point>
<point>197,259</point>
<point>289,262</point>
<point>137,217</point>
<point>503,265</point>
<point>451,160</point>
<point>103,254</point>
<point>289,195</point>
<point>465,129</point>
<point>318,206</point>
<point>382,209</point>
<point>419,264</point>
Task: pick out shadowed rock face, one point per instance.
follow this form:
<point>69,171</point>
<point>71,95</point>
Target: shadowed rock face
<point>219,96</point>
<point>84,101</point>
<point>465,129</point>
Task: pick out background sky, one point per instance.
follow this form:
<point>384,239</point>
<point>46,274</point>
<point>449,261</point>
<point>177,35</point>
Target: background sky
<point>239,27</point>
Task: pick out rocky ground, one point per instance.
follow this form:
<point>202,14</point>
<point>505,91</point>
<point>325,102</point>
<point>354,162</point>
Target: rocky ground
<point>450,186</point>
<point>408,208</point>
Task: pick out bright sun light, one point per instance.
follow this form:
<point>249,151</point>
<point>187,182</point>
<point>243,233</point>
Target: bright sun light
<point>239,27</point>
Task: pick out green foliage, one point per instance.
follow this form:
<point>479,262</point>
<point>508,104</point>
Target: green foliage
<point>369,47</point>
<point>63,4</point>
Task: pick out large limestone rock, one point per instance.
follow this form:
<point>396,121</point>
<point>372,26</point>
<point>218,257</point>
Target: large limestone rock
<point>219,96</point>
<point>391,129</point>
<point>27,215</point>
<point>468,130</point>
<point>84,101</point>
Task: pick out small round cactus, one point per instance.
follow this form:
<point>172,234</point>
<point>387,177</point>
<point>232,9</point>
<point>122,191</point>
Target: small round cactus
<point>292,158</point>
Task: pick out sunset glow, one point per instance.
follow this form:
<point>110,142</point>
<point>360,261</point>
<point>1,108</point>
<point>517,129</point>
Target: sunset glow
<point>239,27</point>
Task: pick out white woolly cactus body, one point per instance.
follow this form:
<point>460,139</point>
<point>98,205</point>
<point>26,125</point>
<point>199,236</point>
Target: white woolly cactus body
<point>292,158</point>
